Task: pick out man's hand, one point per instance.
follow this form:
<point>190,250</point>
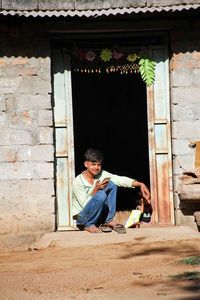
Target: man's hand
<point>144,190</point>
<point>99,186</point>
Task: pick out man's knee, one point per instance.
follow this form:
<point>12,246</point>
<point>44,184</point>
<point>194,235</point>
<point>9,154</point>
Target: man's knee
<point>111,186</point>
<point>101,196</point>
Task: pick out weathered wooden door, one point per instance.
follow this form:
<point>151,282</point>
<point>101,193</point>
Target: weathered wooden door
<point>160,158</point>
<point>64,143</point>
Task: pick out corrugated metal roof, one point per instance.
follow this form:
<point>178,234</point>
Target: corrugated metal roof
<point>98,13</point>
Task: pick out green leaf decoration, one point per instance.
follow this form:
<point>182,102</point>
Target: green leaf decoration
<point>106,55</point>
<point>147,70</point>
<point>115,59</point>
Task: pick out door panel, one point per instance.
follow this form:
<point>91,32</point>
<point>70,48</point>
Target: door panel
<point>161,138</point>
<point>61,141</point>
<point>160,141</point>
<point>164,216</point>
<point>63,205</point>
<point>64,144</point>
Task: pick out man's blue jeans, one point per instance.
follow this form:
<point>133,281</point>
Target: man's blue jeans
<point>100,208</point>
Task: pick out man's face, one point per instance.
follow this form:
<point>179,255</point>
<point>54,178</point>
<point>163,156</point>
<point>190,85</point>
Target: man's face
<point>93,167</point>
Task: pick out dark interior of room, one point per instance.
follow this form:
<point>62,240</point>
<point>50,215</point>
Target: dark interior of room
<point>110,113</point>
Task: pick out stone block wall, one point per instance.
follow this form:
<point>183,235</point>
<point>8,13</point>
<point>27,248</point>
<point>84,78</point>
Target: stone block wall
<point>27,197</point>
<point>185,112</point>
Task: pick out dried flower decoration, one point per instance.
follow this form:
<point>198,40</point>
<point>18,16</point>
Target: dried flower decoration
<point>106,55</point>
<point>79,53</point>
<point>117,54</point>
<point>90,55</point>
<point>132,57</point>
<point>117,60</point>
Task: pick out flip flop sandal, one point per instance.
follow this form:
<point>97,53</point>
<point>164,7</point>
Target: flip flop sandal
<point>119,228</point>
<point>105,228</point>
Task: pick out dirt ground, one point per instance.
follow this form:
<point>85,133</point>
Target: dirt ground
<point>138,265</point>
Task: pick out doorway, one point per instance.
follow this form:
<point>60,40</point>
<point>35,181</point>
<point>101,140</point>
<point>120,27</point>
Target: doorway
<point>130,145</point>
<point>110,114</point>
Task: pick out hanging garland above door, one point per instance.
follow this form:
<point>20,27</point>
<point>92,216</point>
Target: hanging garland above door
<point>115,59</point>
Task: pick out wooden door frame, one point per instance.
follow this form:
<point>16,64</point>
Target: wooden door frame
<point>157,184</point>
<point>154,180</point>
<point>63,139</point>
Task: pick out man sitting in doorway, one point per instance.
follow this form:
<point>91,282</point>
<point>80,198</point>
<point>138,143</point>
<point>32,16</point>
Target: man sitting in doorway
<point>94,195</point>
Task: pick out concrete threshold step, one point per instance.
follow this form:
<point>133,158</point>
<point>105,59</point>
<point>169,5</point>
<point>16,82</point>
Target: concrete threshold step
<point>145,234</point>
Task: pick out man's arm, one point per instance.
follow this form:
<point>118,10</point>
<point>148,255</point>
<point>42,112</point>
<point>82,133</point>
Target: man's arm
<point>144,190</point>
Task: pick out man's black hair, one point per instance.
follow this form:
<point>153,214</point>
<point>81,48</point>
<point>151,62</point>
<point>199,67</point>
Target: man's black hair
<point>93,155</point>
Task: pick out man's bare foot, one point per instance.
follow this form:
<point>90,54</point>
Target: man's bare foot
<point>111,224</point>
<point>93,229</point>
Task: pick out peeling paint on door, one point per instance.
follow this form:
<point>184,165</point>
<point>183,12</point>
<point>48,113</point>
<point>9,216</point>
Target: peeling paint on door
<point>160,141</point>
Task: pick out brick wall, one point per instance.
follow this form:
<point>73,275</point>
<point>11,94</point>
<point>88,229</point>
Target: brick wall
<point>26,135</point>
<point>185,108</point>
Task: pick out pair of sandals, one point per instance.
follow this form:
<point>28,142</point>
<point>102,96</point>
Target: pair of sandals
<point>119,228</point>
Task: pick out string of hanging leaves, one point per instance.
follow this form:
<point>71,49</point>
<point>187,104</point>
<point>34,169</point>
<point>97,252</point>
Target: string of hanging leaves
<point>114,60</point>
